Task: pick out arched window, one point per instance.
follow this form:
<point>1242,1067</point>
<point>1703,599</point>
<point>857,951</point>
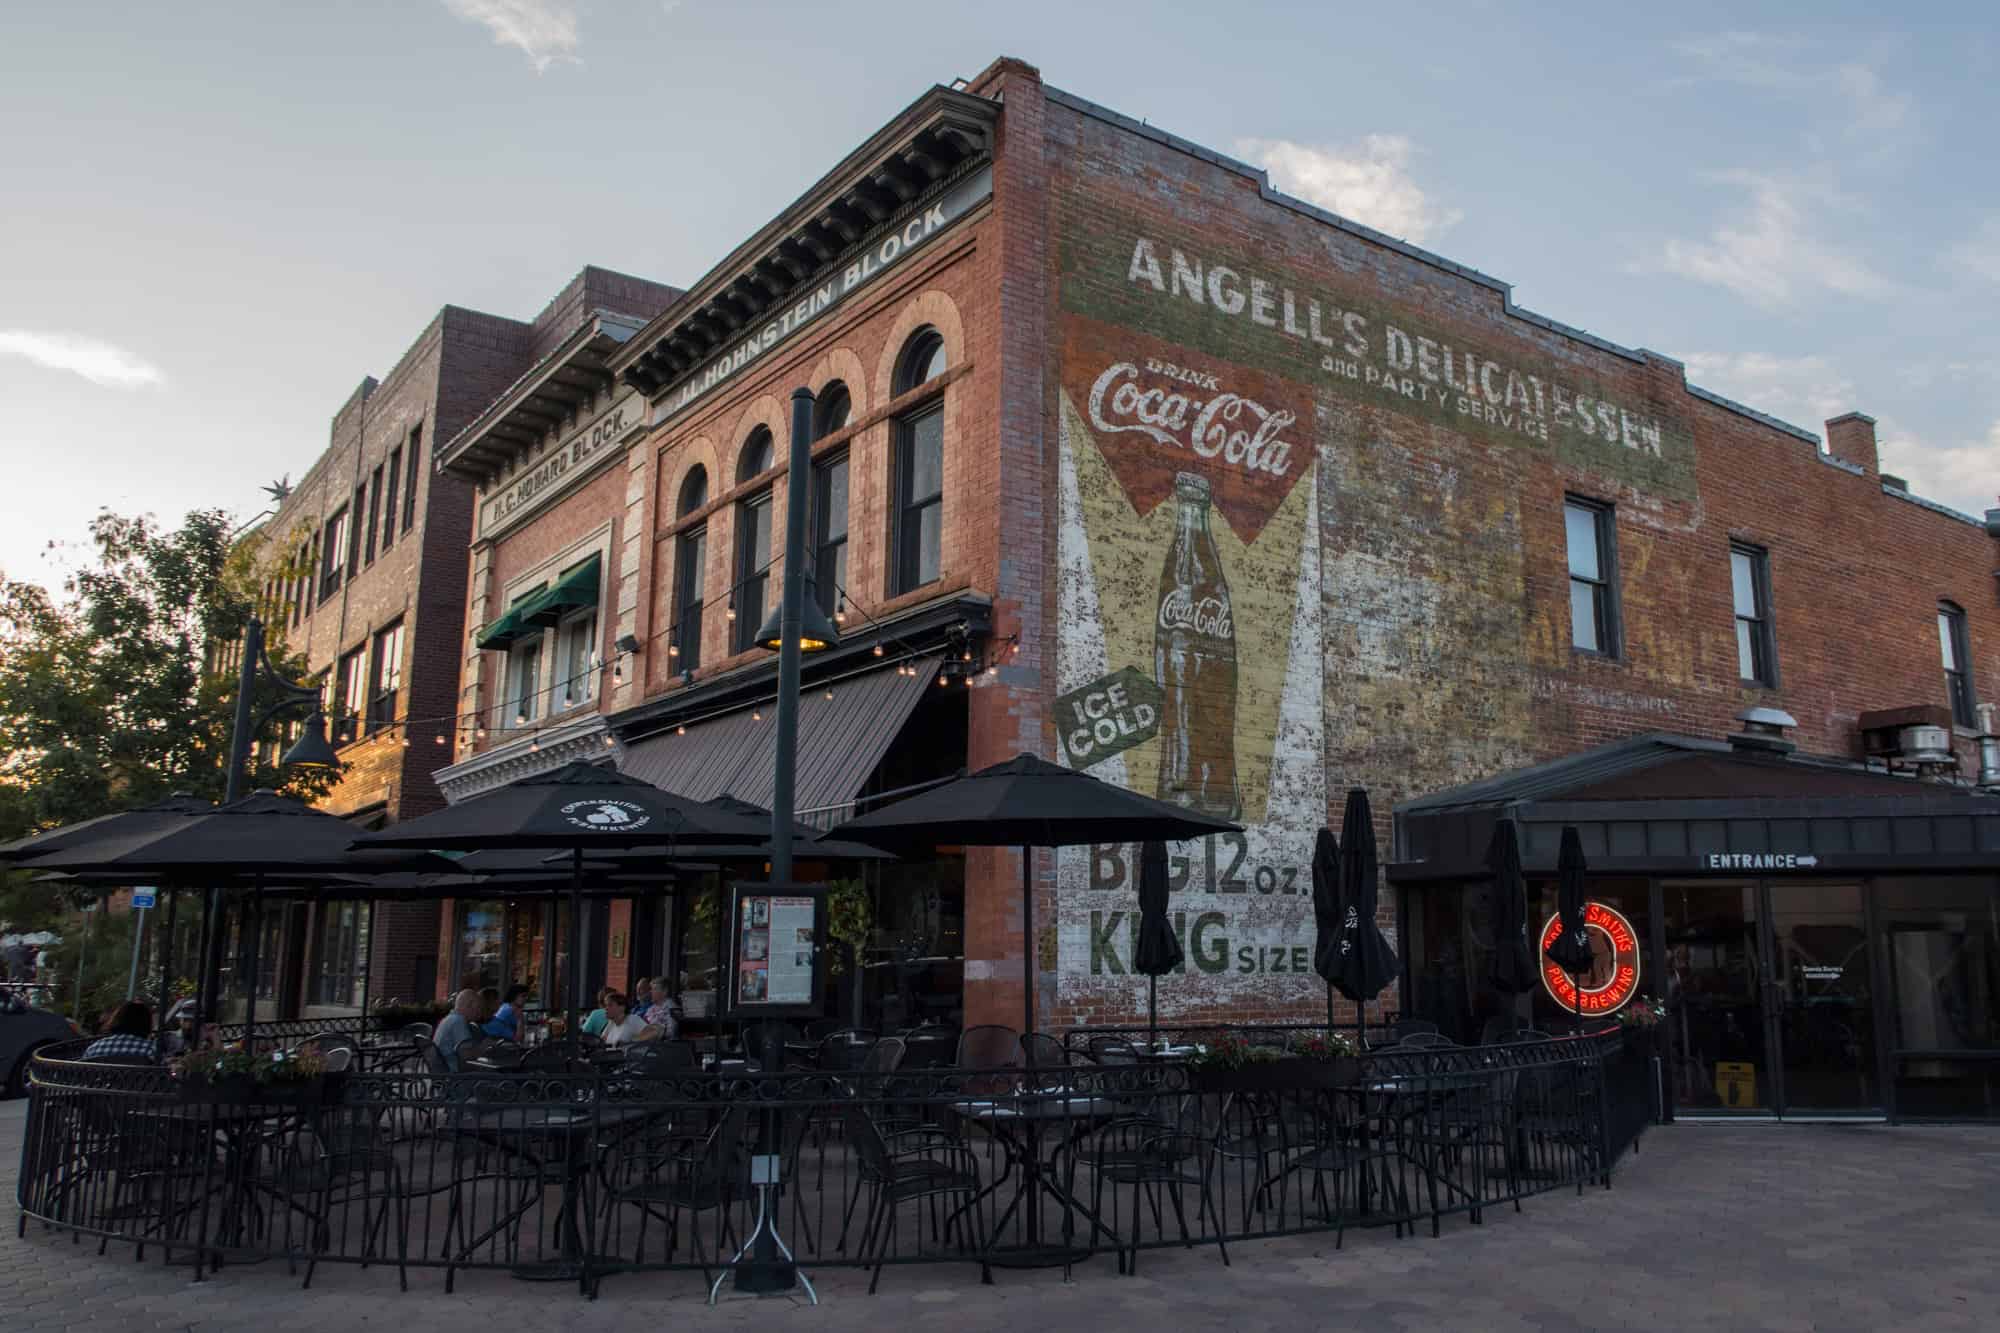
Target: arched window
<point>918,522</point>
<point>694,491</point>
<point>831,411</point>
<point>753,544</point>
<point>690,573</point>
<point>1957,650</point>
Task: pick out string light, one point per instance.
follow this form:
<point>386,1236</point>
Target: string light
<point>681,730</point>
<point>440,739</point>
<point>829,694</point>
<point>609,740</point>
<point>535,745</point>
<point>878,650</point>
<point>756,715</point>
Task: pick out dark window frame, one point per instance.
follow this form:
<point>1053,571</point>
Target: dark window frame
<point>690,598</point>
<point>1763,629</point>
<point>355,511</point>
<point>1952,634</point>
<point>350,681</point>
<point>919,365</point>
<point>757,456</point>
<point>332,561</point>
<point>374,514</point>
<point>828,549</point>
<point>416,448</point>
<point>392,477</point>
<point>385,686</point>
<point>1605,608</point>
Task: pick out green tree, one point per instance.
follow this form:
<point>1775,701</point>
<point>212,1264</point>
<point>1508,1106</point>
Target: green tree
<point>111,696</point>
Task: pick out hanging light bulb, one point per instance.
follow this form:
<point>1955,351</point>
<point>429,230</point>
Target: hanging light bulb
<point>673,649</point>
<point>681,730</point>
<point>406,740</point>
<point>535,745</point>
<point>756,715</point>
<point>520,719</point>
<point>609,740</point>
<point>878,650</point>
<point>479,733</point>
<point>440,739</point>
<point>967,657</point>
<point>829,694</point>
<point>730,611</point>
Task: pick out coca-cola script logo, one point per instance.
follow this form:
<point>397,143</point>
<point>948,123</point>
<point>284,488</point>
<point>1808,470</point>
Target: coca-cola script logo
<point>1240,431</point>
<point>1209,616</point>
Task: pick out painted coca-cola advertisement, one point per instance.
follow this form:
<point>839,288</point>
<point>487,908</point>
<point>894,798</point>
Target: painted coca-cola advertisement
<point>1190,656</point>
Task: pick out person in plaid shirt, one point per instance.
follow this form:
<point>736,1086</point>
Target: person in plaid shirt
<point>129,1033</point>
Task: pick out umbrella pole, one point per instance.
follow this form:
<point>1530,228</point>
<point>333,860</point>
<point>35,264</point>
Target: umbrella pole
<point>722,923</point>
<point>1152,1012</point>
<point>1329,1010</point>
<point>1028,949</point>
<point>575,947</point>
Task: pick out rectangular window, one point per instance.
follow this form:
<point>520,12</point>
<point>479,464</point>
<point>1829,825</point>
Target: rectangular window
<point>919,529</point>
<point>1750,589</point>
<point>388,682</point>
<point>342,954</point>
<point>753,569</point>
<point>349,685</point>
<point>374,515</point>
<point>829,508</point>
<point>359,508</point>
<point>392,477</point>
<point>690,564</point>
<point>1957,664</point>
<point>416,447</point>
<point>576,659</point>
<point>333,554</point>
<point>524,681</point>
<point>1593,576</point>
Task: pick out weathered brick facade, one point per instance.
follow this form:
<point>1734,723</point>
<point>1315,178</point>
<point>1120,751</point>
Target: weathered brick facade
<point>1152,353</point>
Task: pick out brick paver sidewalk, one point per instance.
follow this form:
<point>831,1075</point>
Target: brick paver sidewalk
<point>1769,1227</point>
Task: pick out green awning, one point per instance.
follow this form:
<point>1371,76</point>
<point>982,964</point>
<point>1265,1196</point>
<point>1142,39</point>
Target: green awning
<point>575,590</point>
<point>510,627</point>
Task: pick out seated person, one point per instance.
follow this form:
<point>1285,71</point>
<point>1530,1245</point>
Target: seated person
<point>594,1021</point>
<point>623,1027</point>
<point>179,1036</point>
<point>641,993</point>
<point>506,1020</point>
<point>129,1033</point>
<point>661,1012</point>
<point>457,1027</point>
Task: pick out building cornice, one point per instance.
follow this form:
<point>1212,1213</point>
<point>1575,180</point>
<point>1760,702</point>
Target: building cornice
<point>580,740</point>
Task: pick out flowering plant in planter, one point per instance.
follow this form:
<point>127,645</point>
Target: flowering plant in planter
<point>1230,1051</point>
<point>1330,1046</point>
<point>1643,1012</point>
<point>278,1067</point>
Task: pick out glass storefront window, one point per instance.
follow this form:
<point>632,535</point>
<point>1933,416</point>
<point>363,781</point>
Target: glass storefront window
<point>1941,938</point>
<point>482,943</point>
<point>341,955</point>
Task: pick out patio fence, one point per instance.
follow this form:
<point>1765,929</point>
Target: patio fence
<point>581,1171</point>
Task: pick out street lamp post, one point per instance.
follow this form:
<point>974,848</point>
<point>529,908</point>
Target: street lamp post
<point>310,751</point>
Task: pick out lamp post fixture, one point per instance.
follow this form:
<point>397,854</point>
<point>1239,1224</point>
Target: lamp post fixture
<point>309,751</point>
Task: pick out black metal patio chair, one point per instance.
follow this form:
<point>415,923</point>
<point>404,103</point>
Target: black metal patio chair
<point>1151,1161</point>
<point>911,1166</point>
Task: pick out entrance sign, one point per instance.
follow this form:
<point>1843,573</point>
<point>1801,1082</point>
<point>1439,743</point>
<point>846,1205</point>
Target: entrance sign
<point>1613,978</point>
<point>1759,861</point>
<point>142,899</point>
<point>777,950</point>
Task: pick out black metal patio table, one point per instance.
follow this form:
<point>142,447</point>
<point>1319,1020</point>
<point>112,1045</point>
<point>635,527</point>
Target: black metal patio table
<point>241,1127</point>
<point>1016,1125</point>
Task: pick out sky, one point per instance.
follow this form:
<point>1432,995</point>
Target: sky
<point>215,219</point>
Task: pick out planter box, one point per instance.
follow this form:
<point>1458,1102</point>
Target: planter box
<point>1278,1075</point>
<point>241,1091</point>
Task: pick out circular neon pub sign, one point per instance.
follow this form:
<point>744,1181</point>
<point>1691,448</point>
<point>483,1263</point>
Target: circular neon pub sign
<point>1613,978</point>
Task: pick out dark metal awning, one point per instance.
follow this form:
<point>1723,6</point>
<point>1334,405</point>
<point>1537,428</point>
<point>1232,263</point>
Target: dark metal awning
<point>1682,805</point>
<point>841,740</point>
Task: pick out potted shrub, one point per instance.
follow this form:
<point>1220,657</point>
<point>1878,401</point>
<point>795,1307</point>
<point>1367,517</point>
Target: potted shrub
<point>1231,1063</point>
<point>238,1077</point>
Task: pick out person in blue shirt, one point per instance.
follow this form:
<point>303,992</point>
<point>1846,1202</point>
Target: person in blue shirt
<point>506,1020</point>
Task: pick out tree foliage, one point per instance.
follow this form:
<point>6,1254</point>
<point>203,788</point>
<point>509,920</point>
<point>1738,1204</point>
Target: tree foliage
<point>107,696</point>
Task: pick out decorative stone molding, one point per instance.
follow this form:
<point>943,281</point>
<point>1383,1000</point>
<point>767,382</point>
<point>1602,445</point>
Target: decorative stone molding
<point>580,739</point>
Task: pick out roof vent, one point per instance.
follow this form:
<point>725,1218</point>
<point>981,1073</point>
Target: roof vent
<point>1764,731</point>
<point>1989,750</point>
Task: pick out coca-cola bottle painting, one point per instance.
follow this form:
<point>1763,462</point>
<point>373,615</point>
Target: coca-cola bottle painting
<point>1194,657</point>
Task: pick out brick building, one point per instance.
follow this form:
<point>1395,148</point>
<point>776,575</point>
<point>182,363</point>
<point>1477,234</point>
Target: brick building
<point>1125,458</point>
<point>365,565</point>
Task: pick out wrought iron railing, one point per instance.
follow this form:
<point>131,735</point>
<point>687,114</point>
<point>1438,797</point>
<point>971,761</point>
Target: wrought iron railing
<point>586,1169</point>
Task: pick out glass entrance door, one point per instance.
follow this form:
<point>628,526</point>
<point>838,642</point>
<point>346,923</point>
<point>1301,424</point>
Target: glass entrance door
<point>1823,998</point>
<point>1715,953</point>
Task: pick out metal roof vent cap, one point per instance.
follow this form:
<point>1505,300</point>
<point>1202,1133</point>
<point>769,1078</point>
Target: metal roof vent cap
<point>1764,731</point>
<point>1989,750</point>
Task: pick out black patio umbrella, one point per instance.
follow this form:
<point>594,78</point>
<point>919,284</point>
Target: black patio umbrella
<point>1326,913</point>
<point>1158,950</point>
<point>1365,962</point>
<point>1027,802</point>
<point>1514,970</point>
<point>258,840</point>
<point>154,816</point>
<point>1570,950</point>
<point>576,807</point>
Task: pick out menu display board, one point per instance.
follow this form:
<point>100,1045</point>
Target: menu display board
<point>777,950</point>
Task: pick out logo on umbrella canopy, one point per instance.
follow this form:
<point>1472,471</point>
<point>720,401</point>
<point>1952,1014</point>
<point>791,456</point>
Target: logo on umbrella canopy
<point>1613,978</point>
<point>606,816</point>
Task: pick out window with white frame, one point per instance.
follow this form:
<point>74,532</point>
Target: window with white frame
<point>576,659</point>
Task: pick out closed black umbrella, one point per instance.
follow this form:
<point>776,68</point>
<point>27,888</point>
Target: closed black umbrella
<point>1514,970</point>
<point>1365,962</point>
<point>576,807</point>
<point>1570,950</point>
<point>1326,913</point>
<point>1027,802</point>
<point>1157,950</point>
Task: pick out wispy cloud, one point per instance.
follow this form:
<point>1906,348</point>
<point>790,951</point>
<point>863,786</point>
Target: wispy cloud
<point>93,358</point>
<point>1852,92</point>
<point>1964,476</point>
<point>1979,253</point>
<point>1804,390</point>
<point>543,30</point>
<point>1769,254</point>
<point>1368,181</point>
